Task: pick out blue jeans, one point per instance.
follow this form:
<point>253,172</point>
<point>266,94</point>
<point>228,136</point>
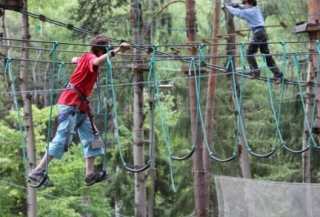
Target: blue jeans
<point>57,145</point>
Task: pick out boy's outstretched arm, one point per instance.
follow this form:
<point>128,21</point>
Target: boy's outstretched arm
<point>102,59</point>
<point>74,59</point>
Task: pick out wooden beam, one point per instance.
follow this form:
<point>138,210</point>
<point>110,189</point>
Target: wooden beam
<point>138,67</point>
<point>185,70</point>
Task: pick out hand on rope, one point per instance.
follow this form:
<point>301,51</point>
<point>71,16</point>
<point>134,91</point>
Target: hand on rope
<point>235,5</point>
<point>124,46</point>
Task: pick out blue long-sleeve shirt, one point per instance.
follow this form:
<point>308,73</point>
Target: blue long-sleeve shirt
<point>252,15</point>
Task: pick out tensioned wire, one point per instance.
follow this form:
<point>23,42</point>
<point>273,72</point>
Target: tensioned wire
<point>260,78</point>
<point>71,27</point>
<point>169,56</point>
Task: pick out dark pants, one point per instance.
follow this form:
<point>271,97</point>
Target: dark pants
<point>259,37</point>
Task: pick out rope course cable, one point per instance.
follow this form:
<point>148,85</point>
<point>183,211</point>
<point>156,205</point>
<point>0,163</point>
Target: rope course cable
<point>192,66</point>
<point>284,54</point>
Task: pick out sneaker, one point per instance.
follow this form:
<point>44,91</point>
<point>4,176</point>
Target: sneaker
<point>38,176</point>
<point>278,77</point>
<point>95,178</point>
<point>253,73</point>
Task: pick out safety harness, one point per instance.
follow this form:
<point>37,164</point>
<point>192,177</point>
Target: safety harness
<point>71,115</point>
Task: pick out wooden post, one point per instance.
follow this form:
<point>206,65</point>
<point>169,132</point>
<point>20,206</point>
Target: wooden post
<point>27,109</point>
<point>200,208</point>
<point>138,113</point>
<point>211,96</point>
<point>312,27</point>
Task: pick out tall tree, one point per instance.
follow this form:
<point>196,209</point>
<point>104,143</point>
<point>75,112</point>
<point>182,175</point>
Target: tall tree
<point>27,103</point>
<point>198,166</point>
<point>211,94</point>
<point>152,170</point>
<point>95,14</point>
<point>138,115</point>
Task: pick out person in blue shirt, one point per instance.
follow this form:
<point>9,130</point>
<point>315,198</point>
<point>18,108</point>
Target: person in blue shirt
<point>252,14</point>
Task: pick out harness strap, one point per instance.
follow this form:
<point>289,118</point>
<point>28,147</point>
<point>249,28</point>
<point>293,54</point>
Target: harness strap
<point>70,86</point>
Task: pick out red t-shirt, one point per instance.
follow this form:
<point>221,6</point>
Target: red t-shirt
<point>83,78</point>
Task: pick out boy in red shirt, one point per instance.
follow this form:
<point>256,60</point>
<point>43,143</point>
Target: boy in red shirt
<point>74,112</point>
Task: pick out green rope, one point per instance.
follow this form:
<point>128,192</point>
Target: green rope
<point>53,53</point>
<point>110,83</point>
<point>106,122</point>
<point>297,70</point>
<point>242,57</point>
<point>243,62</point>
<point>198,89</point>
<point>240,120</point>
<point>62,69</point>
<point>284,64</point>
<point>236,93</point>
<point>275,114</point>
<point>317,80</point>
<point>151,67</point>
<point>98,91</point>
<point>153,73</point>
<point>8,68</point>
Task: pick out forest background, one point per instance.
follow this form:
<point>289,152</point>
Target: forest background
<point>70,197</point>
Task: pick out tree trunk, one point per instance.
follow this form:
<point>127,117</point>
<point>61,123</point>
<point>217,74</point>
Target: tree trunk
<point>27,107</point>
<point>306,164</point>
<point>243,153</point>
<point>152,170</point>
<point>313,11</point>
<point>7,54</point>
<point>211,95</point>
<point>198,167</point>
<point>306,167</point>
<point>138,115</point>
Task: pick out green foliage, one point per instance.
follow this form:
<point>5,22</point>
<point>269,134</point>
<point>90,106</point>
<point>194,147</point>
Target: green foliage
<point>10,203</point>
<point>99,16</point>
<point>70,197</point>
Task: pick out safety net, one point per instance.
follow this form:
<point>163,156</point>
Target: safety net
<point>238,197</point>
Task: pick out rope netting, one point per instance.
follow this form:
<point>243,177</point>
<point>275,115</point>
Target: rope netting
<point>238,197</point>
